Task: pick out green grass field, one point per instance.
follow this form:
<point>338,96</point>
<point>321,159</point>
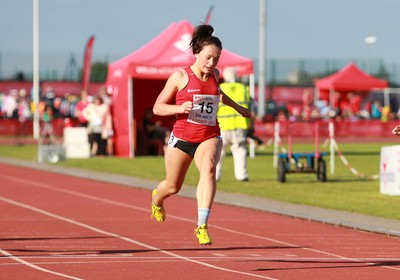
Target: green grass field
<point>343,190</point>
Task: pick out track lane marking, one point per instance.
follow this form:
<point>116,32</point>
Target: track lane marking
<point>95,229</point>
<point>52,188</point>
<point>31,265</point>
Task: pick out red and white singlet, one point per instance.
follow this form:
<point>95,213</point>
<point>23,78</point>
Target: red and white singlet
<point>201,123</point>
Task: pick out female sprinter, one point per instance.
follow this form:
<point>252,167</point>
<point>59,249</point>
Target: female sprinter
<point>196,135</point>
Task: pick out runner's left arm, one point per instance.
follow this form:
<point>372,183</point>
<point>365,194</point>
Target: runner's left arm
<point>225,99</point>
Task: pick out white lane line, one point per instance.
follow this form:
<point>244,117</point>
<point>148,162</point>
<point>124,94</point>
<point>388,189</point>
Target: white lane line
<point>105,260</point>
<point>31,265</point>
<point>61,259</point>
<point>58,217</point>
<point>79,194</point>
<point>95,198</point>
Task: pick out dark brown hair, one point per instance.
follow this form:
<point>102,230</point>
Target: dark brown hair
<point>202,36</point>
<point>98,97</point>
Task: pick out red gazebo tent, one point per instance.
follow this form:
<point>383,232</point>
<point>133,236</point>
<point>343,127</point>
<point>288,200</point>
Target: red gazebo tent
<point>349,79</point>
<point>136,80</point>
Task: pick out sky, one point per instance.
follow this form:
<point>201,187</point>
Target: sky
<point>295,29</point>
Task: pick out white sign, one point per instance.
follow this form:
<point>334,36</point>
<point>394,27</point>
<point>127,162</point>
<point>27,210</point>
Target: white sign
<point>204,110</point>
<point>390,170</point>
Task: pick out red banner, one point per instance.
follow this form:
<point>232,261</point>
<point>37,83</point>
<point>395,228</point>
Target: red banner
<point>87,64</point>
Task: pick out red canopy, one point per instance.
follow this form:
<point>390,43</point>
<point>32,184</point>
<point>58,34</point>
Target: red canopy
<point>350,78</point>
<point>169,51</point>
<point>136,80</point>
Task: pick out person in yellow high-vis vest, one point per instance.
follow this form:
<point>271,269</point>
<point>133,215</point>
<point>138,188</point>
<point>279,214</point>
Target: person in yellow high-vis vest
<point>233,125</point>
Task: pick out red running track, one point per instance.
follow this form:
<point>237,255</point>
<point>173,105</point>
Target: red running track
<point>55,226</point>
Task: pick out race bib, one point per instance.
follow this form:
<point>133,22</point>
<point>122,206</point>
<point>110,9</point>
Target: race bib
<point>172,140</point>
<point>204,110</point>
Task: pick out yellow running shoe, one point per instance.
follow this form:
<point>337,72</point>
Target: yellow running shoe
<point>203,236</point>
<point>157,212</point>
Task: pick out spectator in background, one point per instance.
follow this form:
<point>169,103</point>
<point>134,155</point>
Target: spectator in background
<point>335,104</point>
<point>376,110</point>
<point>65,106</point>
<point>80,106</point>
<point>354,103</point>
<point>78,109</point>
<point>324,109</point>
<point>155,131</point>
<point>47,130</point>
<point>345,110</point>
<point>307,97</point>
<point>24,114</point>
<point>306,112</point>
<point>309,111</point>
<point>107,100</point>
<point>9,108</point>
<point>282,115</point>
<point>104,95</point>
<point>386,114</point>
<point>73,100</point>
<point>233,125</point>
<point>110,141</point>
<point>42,107</point>
<point>99,125</point>
<point>50,99</point>
<point>315,113</point>
<point>295,114</point>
